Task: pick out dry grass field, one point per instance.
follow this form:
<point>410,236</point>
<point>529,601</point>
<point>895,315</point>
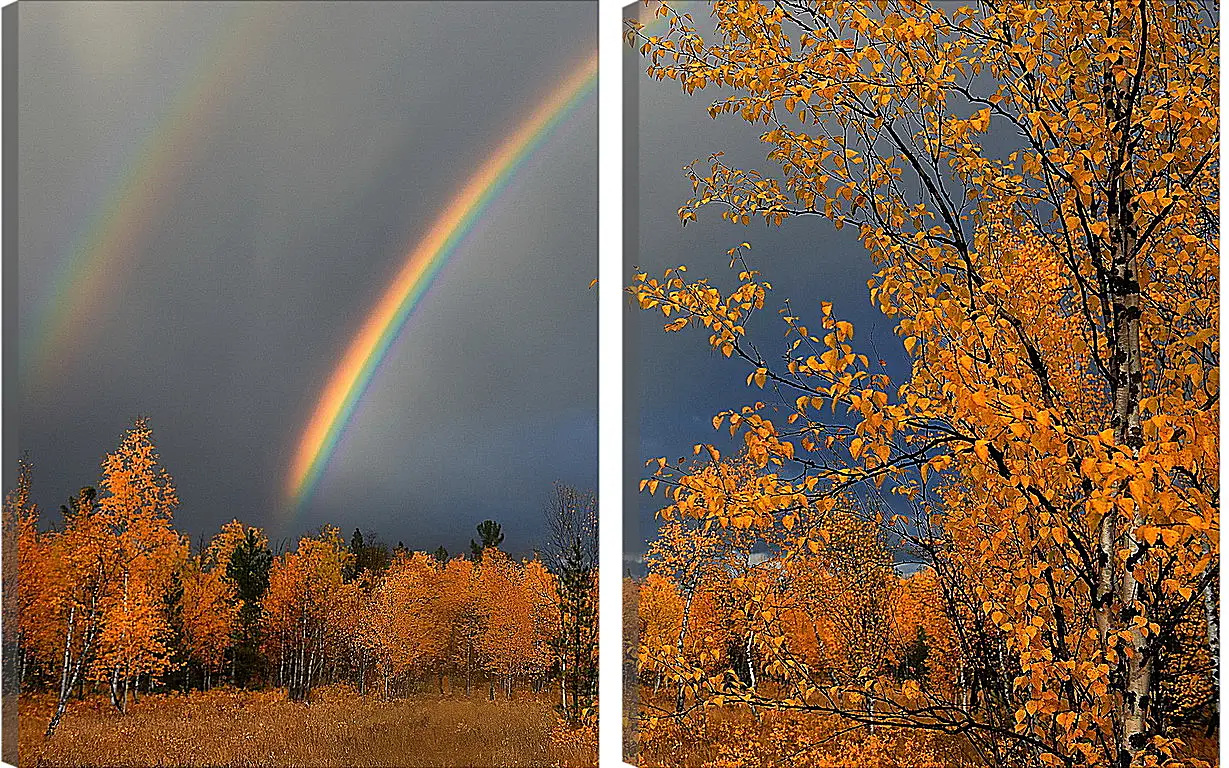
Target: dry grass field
<point>733,737</point>
<point>228,728</point>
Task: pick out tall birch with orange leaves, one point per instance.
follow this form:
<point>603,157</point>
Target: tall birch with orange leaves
<point>299,609</point>
<point>919,611</point>
<point>134,509</point>
<point>462,607</point>
<point>686,555</point>
<point>1057,434</point>
<point>79,566</point>
<point>508,645</point>
<point>209,614</point>
<point>659,613</point>
<point>223,545</point>
<point>541,588</point>
<point>705,548</point>
<point>404,625</point>
<point>27,610</point>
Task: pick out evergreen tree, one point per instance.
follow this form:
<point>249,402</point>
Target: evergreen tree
<point>578,638</point>
<point>249,570</point>
<point>571,548</point>
<point>913,665</point>
<point>357,548</point>
<point>490,535</point>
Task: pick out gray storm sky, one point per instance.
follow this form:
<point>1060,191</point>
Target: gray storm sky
<point>296,152</point>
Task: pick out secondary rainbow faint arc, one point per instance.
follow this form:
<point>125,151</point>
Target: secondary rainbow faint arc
<point>355,370</point>
<point>114,230</point>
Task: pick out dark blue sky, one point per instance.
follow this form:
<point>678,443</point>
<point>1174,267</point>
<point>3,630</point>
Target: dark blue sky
<point>680,382</point>
<point>293,194</point>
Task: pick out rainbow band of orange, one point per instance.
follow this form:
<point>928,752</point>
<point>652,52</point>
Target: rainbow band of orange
<point>356,369</point>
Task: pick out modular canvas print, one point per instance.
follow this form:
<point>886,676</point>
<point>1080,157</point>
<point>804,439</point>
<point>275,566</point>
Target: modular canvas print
<point>300,386</point>
<point>922,370</point>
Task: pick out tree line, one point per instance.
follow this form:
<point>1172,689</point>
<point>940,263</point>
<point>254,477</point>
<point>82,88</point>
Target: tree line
<point>854,623</point>
<point>113,600</point>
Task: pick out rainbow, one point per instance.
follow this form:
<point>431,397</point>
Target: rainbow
<point>113,232</point>
<point>354,372</point>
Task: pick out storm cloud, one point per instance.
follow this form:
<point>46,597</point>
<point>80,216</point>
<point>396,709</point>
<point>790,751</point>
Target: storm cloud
<point>299,152</point>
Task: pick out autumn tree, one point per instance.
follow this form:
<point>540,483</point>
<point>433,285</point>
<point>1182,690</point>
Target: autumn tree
<point>923,642</point>
<point>849,590</point>
<point>508,646</point>
<point>76,571</point>
<point>463,608</point>
<point>541,587</point>
<point>851,583</point>
<point>1037,185</point>
<point>706,551</point>
<point>405,621</point>
<point>346,612</point>
<point>102,581</point>
<point>217,553</point>
<point>208,616</point>
<point>659,616</point>
<point>298,607</point>
<point>25,563</point>
<point>135,508</point>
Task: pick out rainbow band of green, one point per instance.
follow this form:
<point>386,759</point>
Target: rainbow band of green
<point>354,372</point>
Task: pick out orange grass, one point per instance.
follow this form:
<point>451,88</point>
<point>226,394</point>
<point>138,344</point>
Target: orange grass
<point>229,728</point>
